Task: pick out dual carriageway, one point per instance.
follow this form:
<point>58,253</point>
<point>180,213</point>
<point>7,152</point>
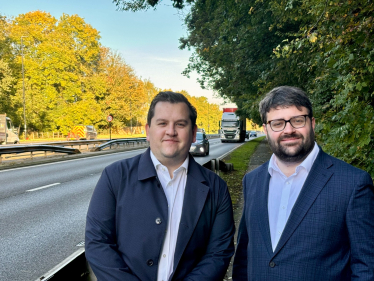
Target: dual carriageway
<point>43,209</point>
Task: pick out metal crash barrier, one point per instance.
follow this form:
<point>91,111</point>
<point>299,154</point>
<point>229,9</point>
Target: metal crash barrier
<point>217,165</point>
<point>68,147</point>
<point>116,143</point>
<point>73,268</point>
<point>34,148</point>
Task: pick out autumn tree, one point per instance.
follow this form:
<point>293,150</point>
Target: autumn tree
<point>126,96</point>
<point>60,57</point>
<point>70,78</point>
<point>7,71</point>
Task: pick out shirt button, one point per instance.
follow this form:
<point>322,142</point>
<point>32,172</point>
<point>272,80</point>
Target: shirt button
<point>158,221</point>
<point>279,232</point>
<point>164,255</point>
<point>272,264</point>
<point>149,262</point>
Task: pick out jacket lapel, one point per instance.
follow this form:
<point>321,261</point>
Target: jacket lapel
<point>314,183</point>
<point>194,200</point>
<point>262,181</point>
<point>146,166</point>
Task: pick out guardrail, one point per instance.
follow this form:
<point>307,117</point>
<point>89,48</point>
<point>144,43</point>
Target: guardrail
<point>117,142</point>
<point>33,148</point>
<point>65,147</point>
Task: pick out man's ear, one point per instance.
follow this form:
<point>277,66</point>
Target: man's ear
<point>147,131</point>
<point>265,130</point>
<point>194,133</point>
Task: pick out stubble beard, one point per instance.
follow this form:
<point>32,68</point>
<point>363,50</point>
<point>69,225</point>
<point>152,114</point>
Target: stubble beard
<point>299,154</point>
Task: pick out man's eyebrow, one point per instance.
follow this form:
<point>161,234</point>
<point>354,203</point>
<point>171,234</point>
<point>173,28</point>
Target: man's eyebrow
<point>182,120</point>
<point>160,119</point>
<point>166,120</point>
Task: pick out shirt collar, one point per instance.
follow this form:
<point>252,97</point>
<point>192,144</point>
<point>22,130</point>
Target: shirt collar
<point>157,163</point>
<point>306,164</point>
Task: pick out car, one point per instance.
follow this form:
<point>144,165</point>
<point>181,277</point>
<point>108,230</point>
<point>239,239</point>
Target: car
<point>201,145</point>
<point>252,134</point>
<point>246,134</point>
<point>83,132</point>
<point>91,132</point>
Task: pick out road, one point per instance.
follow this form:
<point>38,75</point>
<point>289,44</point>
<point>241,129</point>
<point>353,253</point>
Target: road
<point>43,209</point>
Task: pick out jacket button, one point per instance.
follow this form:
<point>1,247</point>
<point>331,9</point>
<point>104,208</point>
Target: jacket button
<point>158,221</point>
<point>272,264</point>
<point>149,262</point>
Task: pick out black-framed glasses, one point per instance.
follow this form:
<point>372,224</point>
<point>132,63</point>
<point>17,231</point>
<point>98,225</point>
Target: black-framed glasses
<point>297,122</point>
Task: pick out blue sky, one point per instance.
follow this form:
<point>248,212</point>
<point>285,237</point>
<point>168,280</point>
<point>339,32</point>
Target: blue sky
<point>147,40</point>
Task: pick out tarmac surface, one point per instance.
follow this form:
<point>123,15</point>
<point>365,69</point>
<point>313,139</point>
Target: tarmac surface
<point>261,155</point>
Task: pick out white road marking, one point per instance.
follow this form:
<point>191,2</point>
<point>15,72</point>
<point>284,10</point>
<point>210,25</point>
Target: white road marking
<point>42,187</point>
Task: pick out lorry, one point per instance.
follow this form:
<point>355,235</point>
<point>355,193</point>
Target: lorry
<point>232,127</point>
<point>8,134</point>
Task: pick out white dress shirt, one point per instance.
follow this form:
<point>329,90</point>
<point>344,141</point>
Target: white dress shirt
<point>283,192</point>
<point>174,191</point>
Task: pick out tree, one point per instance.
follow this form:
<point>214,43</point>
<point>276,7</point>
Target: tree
<point>60,59</point>
<point>242,49</point>
<point>125,94</point>
<point>137,5</point>
<point>8,72</point>
<point>339,44</point>
<point>6,83</point>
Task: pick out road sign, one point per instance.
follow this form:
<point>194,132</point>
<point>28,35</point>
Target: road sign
<point>109,118</point>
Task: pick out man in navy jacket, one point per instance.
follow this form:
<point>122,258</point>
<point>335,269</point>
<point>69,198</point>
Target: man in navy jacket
<point>160,215</point>
<point>307,215</point>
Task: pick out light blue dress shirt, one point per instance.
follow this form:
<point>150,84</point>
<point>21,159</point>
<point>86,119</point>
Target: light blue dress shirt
<point>283,193</point>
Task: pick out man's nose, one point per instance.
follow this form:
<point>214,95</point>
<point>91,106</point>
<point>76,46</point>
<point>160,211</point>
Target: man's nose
<point>171,130</point>
<point>288,129</point>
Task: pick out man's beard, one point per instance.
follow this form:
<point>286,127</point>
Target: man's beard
<point>301,152</point>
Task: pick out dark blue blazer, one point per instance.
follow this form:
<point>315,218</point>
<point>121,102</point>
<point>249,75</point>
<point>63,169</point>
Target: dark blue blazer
<point>127,220</point>
<point>329,234</point>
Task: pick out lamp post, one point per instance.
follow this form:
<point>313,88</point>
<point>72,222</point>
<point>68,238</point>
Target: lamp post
<point>23,90</point>
<point>208,118</point>
<point>130,117</point>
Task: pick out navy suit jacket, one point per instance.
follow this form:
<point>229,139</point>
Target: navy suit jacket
<point>329,234</point>
<point>127,220</point>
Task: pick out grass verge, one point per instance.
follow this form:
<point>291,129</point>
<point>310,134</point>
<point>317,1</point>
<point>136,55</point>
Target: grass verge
<point>240,159</point>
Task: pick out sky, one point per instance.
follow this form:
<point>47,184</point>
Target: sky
<point>147,40</point>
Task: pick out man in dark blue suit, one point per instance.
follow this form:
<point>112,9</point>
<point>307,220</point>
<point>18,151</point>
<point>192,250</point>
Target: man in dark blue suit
<point>160,215</point>
<point>307,215</point>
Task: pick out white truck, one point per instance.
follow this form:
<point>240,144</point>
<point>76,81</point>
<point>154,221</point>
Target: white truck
<point>8,134</point>
<point>233,127</point>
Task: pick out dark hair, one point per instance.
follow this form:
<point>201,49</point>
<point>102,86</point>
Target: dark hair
<point>171,97</point>
<point>284,96</point>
